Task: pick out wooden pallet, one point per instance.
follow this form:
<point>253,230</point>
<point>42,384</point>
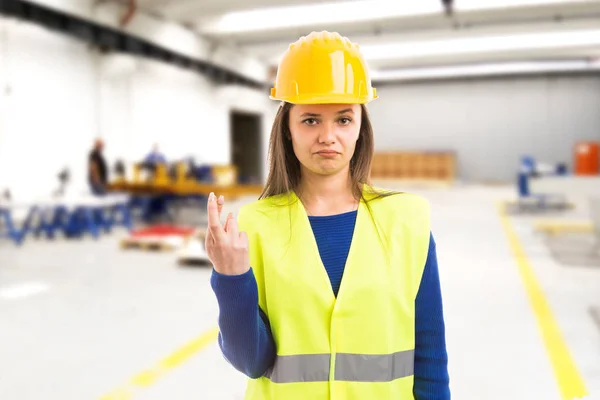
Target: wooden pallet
<point>193,262</point>
<point>161,238</point>
<point>146,245</point>
<point>414,166</point>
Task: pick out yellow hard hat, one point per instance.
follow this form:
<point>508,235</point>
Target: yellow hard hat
<point>323,68</point>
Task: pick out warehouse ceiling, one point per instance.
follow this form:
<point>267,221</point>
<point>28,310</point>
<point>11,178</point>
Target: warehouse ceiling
<point>402,33</point>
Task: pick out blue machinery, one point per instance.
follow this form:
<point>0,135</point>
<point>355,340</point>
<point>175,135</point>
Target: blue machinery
<point>530,169</point>
<point>160,196</point>
<point>72,220</point>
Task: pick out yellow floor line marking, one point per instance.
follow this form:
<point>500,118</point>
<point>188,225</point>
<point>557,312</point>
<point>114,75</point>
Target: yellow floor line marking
<point>570,382</point>
<point>148,377</point>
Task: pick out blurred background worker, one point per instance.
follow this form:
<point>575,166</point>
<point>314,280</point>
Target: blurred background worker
<point>97,168</point>
<point>155,156</point>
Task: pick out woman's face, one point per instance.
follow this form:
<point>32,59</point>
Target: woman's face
<point>324,135</point>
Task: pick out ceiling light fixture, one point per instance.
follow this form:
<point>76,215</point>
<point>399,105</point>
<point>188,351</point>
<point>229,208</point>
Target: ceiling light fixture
<point>513,68</point>
<point>487,44</point>
<point>479,5</point>
<point>324,13</point>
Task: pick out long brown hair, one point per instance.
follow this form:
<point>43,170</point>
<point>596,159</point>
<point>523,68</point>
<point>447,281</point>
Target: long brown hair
<point>284,167</point>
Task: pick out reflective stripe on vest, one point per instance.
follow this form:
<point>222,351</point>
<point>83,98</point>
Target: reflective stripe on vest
<point>348,367</point>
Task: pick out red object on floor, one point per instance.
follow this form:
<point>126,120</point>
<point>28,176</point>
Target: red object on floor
<point>163,230</point>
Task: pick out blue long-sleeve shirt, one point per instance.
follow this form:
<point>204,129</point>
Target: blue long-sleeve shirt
<point>247,343</point>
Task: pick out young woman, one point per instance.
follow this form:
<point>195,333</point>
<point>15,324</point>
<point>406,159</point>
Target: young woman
<point>328,288</point>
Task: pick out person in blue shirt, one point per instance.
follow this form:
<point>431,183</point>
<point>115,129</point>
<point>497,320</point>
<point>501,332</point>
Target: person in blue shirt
<point>155,156</point>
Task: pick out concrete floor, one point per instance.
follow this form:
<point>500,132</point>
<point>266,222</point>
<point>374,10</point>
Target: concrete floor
<point>79,320</point>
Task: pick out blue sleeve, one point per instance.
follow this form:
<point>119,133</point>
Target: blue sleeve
<point>432,381</point>
<point>245,338</point>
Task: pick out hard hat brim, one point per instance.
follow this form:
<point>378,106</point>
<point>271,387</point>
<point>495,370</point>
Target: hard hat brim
<point>326,99</point>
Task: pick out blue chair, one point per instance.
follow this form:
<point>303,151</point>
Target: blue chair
<point>11,231</point>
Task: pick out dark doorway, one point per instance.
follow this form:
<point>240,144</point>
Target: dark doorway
<point>246,146</point>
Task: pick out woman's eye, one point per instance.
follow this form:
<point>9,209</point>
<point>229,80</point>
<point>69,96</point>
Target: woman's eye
<point>345,121</point>
<point>310,121</point>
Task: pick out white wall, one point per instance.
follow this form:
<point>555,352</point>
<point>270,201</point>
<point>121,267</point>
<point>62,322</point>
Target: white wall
<point>48,107</point>
<point>57,95</point>
<point>490,123</point>
<point>163,104</point>
<point>3,69</point>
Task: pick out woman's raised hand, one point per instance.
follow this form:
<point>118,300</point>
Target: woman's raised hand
<point>227,248</point>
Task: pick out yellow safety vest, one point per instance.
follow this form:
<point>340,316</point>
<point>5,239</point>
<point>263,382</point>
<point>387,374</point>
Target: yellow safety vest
<point>360,345</point>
